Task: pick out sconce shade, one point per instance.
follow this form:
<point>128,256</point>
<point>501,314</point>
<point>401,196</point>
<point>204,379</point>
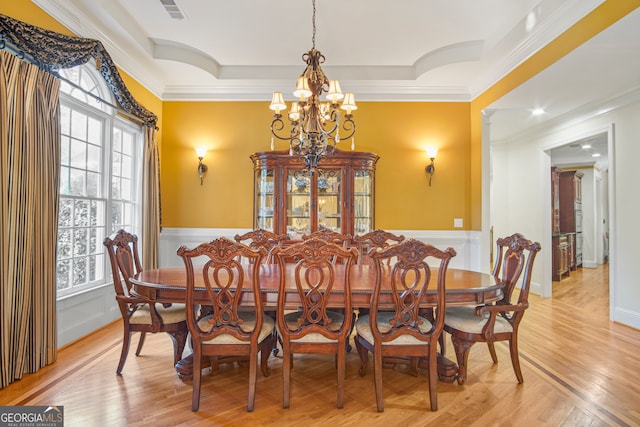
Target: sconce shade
<point>432,152</point>
<point>201,151</point>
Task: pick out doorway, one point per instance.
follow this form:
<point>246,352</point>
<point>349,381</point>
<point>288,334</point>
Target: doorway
<point>589,156</point>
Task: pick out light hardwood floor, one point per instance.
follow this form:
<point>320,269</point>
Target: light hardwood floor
<point>580,369</point>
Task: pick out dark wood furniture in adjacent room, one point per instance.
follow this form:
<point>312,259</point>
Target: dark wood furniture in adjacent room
<point>570,191</point>
<point>566,206</point>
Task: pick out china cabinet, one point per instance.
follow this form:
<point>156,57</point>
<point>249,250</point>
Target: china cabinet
<point>339,196</point>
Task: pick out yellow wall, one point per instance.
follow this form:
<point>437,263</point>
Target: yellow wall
<point>398,132</point>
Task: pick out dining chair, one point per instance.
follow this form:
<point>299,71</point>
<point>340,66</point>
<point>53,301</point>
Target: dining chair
<point>219,282</point>
<point>496,322</point>
<point>373,240</point>
<point>313,281</point>
<point>141,313</point>
<point>329,235</point>
<point>261,238</point>
<point>402,333</point>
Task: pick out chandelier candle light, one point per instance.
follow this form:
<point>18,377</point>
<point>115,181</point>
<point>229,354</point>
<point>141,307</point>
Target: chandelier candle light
<point>315,126</point>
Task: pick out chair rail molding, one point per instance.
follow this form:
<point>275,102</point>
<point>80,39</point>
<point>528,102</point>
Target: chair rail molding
<point>466,243</point>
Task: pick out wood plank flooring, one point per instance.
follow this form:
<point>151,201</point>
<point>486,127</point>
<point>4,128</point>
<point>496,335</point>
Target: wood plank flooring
<point>580,369</point>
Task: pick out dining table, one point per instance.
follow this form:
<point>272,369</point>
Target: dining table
<point>462,287</point>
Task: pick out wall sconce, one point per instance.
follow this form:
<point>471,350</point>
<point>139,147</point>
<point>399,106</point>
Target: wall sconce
<point>202,168</point>
<point>431,167</point>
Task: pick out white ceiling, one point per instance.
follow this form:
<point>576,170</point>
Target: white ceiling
<point>408,50</point>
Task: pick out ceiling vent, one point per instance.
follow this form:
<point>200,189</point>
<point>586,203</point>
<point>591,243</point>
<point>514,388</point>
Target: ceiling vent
<point>172,9</point>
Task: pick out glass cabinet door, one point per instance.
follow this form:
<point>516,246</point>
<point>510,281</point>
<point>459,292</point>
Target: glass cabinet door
<point>298,204</point>
<point>363,201</point>
<point>265,200</point>
<point>330,200</point>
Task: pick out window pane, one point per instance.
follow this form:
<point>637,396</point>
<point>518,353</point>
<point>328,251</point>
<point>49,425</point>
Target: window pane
<point>127,167</point>
<point>98,214</point>
<point>64,243</point>
<point>93,181</point>
<point>78,125</point>
<point>65,150</point>
<point>76,185</point>
<point>127,144</point>
<point>95,131</point>
<point>64,181</point>
<point>80,242</point>
<point>78,154</point>
<point>117,140</point>
<point>116,213</point>
<point>79,271</point>
<point>63,274</point>
<point>81,214</point>
<point>125,187</point>
<point>117,161</point>
<point>65,218</point>
<point>115,188</point>
<point>94,157</point>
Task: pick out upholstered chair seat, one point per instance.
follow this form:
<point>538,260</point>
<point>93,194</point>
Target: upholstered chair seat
<point>173,314</point>
<point>465,319</point>
<point>248,324</point>
<point>363,329</point>
<point>337,319</point>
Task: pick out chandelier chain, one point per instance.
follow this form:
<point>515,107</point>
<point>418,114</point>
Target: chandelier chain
<point>313,37</point>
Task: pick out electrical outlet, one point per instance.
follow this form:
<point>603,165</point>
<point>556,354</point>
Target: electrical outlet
<point>457,223</point>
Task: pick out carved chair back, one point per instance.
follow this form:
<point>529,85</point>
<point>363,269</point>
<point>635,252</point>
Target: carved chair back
<point>409,277</point>
<point>314,278</point>
<point>262,240</point>
<point>373,240</point>
<point>222,278</point>
<point>122,248</point>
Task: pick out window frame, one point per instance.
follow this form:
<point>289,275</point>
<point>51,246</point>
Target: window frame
<point>110,121</point>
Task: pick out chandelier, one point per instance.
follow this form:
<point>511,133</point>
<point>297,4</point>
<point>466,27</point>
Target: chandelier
<point>315,125</point>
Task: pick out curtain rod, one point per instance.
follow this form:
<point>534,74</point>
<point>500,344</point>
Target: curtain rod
<point>8,46</point>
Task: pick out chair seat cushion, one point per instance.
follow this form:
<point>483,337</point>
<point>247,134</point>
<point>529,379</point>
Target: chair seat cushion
<point>363,328</point>
<point>248,325</point>
<point>291,319</point>
<point>175,313</point>
<point>464,319</point>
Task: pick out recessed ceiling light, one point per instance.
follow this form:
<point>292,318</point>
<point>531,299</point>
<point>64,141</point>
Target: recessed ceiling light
<point>537,111</point>
<point>595,155</point>
<point>585,146</point>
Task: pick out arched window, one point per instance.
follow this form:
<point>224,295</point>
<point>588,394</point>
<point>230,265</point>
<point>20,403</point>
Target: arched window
<point>100,179</point>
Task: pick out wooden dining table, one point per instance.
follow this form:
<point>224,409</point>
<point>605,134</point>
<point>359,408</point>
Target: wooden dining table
<point>463,287</point>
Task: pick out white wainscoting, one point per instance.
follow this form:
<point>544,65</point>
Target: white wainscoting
<point>466,243</point>
<point>83,313</point>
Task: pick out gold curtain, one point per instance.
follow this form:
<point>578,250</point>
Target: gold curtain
<point>151,200</point>
<point>29,185</point>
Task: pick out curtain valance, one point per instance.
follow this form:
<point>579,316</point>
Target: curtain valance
<point>51,51</point>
